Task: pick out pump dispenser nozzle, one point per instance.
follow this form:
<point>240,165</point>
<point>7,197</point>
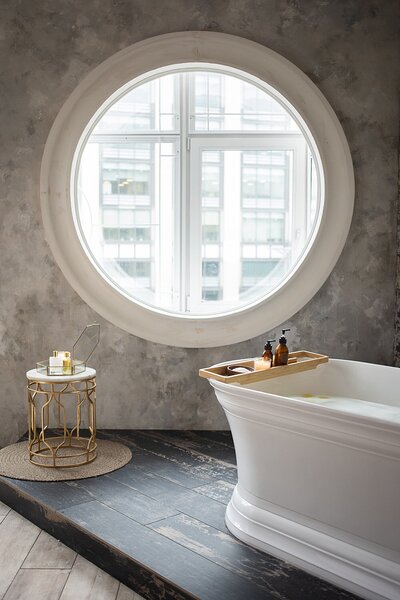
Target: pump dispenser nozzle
<point>282,339</point>
<point>268,343</point>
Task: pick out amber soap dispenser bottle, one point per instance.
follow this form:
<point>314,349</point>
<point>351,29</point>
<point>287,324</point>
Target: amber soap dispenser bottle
<point>281,351</point>
<point>267,356</point>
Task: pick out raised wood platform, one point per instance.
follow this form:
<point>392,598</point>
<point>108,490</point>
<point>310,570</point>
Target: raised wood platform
<point>158,526</point>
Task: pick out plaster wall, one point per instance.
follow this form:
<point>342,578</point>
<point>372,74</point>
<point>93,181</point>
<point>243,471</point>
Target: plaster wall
<point>349,48</point>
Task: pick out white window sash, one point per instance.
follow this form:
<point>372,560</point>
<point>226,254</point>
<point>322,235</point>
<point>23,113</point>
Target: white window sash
<point>297,217</point>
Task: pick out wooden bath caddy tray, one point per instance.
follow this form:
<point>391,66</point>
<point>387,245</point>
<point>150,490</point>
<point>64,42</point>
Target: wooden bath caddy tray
<point>298,361</point>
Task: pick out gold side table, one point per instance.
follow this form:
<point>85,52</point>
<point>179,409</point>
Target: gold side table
<point>58,408</point>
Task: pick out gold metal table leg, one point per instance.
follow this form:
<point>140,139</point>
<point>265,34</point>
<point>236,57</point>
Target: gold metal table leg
<point>65,447</point>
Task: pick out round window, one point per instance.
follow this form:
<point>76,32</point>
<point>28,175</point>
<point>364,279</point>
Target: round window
<point>197,189</point>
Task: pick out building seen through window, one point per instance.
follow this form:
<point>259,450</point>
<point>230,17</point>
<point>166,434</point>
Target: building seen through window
<point>197,192</point>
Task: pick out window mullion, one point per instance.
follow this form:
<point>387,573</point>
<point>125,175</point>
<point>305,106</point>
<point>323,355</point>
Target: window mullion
<point>184,212</point>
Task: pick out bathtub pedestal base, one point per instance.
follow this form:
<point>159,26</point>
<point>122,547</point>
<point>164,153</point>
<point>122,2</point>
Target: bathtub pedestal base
<point>293,538</point>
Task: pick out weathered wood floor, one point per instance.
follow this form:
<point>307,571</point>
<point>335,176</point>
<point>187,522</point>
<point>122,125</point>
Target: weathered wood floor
<point>157,524</point>
<point>36,566</point>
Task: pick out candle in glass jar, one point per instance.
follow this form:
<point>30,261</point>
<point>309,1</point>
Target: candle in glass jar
<point>260,364</point>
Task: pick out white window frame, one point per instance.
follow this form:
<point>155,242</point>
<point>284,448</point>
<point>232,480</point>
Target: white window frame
<point>223,141</point>
<point>186,277</point>
<point>72,128</point>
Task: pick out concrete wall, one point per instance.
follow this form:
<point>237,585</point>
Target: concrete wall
<point>349,48</point>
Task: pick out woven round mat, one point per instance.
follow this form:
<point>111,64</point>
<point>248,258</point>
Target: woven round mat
<point>14,462</point>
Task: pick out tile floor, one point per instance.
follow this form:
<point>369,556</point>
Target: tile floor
<point>36,566</point>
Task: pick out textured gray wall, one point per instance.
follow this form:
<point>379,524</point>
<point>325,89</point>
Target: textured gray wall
<point>349,48</point>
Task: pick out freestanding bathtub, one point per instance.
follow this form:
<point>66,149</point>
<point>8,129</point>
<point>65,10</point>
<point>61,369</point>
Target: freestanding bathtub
<point>318,458</point>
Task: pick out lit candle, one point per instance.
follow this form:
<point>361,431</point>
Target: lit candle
<point>260,364</point>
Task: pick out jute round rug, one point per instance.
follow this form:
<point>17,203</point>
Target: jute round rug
<point>14,462</point>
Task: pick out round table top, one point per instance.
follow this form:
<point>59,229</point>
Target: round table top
<point>34,375</point>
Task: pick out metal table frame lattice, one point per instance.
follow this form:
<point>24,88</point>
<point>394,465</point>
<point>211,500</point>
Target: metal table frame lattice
<point>55,438</point>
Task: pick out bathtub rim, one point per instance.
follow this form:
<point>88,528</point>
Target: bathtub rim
<point>265,400</point>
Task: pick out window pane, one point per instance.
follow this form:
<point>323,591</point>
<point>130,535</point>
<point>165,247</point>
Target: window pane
<point>222,102</point>
<point>263,183</point>
<point>152,106</point>
<point>127,207</point>
<point>110,216</point>
<point>210,268</point>
<point>110,234</point>
<point>250,236</point>
<point>213,295</point>
<point>210,233</point>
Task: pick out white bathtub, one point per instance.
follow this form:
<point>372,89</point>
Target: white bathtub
<point>319,479</point>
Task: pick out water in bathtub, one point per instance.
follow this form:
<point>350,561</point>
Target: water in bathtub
<point>353,406</point>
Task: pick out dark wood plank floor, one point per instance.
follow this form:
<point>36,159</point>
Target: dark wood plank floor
<point>158,525</point>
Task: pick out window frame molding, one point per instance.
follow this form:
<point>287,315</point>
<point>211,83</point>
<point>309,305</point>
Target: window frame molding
<point>76,118</point>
